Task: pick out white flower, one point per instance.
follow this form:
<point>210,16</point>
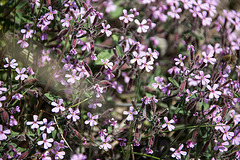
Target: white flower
<point>141,26</point>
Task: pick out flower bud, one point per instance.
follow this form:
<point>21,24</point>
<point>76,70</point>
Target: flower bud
<point>191,105</point>
<point>73,15</point>
<point>5,117</point>
<point>88,68</point>
<point>77,134</point>
<point>129,84</point>
<point>205,147</point>
<point>85,5</point>
<point>164,112</point>
<point>87,13</point>
<point>224,111</point>
<point>115,52</point>
<point>23,155</point>
<point>63,32</point>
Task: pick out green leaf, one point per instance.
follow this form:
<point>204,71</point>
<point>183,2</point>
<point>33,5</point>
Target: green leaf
<point>119,51</point>
<point>49,96</point>
<point>236,94</point>
<point>54,133</point>
<point>106,54</point>
<point>173,81</point>
<point>109,129</point>
<point>115,38</point>
<point>149,95</point>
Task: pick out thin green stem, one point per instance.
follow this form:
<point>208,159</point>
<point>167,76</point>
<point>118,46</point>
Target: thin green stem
<point>80,102</point>
<point>146,155</point>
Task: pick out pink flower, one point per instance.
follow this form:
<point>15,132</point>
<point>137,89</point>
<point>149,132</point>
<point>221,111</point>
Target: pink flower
<point>130,114</point>
<point>105,30</point>
<point>58,106</point>
<point>141,26</point>
<point>213,92</point>
<point>190,94</point>
<point>21,74</point>
<point>51,13</point>
<point>47,126</point>
<point>107,64</point>
<point>187,4</point>
<point>28,32</point>
<point>226,135</point>
<point>98,90</point>
<point>72,77</point>
<point>177,153</point>
<point>91,120</point>
<point>47,143</point>
<point>3,132</point>
<point>147,65</point>
<point>195,11</point>
<point>168,124</point>
<point>73,114</point>
<point>110,6</point>
<point>65,22</point>
<point>236,118</point>
<point>126,18</point>
<point>13,121</point>
<point>174,70</point>
<point>236,140</point>
<point>191,144</point>
<point>137,58</point>
<point>152,54</point>
<point>174,12</point>
<point>206,21</point>
<point>208,58</point>
<point>94,105</point>
<point>180,60</point>
<point>23,43</point>
<point>35,123</point>
<point>58,154</point>
<point>79,156</point>
<point>12,64</point>
<point>221,146</point>
<point>149,150</point>
<point>203,78</point>
<point>105,144</point>
<point>159,84</point>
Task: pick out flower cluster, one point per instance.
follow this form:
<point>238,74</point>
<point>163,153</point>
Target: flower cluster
<point>114,80</point>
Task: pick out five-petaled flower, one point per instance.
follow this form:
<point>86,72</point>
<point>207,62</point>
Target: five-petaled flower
<point>146,64</point>
<point>107,64</point>
<point>130,114</point>
<point>47,126</point>
<point>177,153</point>
<point>213,92</point>
<point>65,22</point>
<point>105,30</point>
<point>73,114</point>
<point>208,58</point>
<point>58,106</point>
<point>47,143</point>
<point>168,124</point>
<point>91,120</point>
<point>35,123</point>
<point>21,74</point>
<point>51,13</point>
<point>12,64</point>
<point>3,133</point>
<point>141,26</point>
<point>126,18</point>
<point>105,144</point>
<point>180,60</point>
